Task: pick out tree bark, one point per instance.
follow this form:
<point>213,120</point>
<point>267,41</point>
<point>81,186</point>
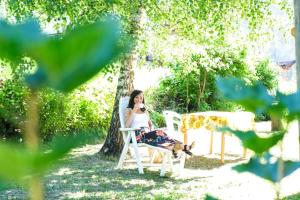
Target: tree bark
<point>187,96</point>
<point>114,142</point>
<point>201,88</point>
<point>297,43</point>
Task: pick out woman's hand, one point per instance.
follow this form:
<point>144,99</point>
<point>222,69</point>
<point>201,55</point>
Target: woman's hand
<point>136,107</point>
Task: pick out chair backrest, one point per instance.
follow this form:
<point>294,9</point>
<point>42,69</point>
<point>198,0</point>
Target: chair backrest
<point>173,122</point>
<point>123,103</point>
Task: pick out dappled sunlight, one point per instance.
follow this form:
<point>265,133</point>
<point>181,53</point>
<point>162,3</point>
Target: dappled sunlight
<point>133,182</point>
<point>84,174</point>
<point>75,195</point>
<point>64,171</point>
<point>87,176</point>
<point>209,162</point>
<point>86,150</point>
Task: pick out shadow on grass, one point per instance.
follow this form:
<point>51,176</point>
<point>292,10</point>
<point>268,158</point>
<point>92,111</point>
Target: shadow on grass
<point>91,174</point>
<point>83,176</point>
<point>207,163</point>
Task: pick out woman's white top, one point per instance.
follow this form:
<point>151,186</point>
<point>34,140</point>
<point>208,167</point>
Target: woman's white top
<point>139,120</point>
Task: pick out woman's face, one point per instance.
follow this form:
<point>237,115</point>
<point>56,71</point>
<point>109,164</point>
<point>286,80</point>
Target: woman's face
<point>139,98</point>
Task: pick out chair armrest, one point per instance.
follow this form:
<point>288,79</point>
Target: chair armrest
<point>128,129</point>
<point>128,133</point>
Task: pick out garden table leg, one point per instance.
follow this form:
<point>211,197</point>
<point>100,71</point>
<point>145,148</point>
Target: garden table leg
<point>185,138</point>
<point>222,147</point>
<point>245,152</point>
<point>211,142</point>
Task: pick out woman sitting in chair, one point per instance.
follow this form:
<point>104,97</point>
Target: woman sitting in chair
<point>136,116</point>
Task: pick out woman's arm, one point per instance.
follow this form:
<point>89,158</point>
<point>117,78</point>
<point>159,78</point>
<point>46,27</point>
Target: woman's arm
<point>150,125</point>
<point>149,121</point>
<point>128,117</point>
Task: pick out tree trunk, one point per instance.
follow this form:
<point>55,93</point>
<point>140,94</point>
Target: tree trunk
<point>297,43</point>
<point>187,96</point>
<point>114,142</point>
<point>201,89</point>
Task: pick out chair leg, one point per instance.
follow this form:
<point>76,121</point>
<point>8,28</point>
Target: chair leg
<point>164,164</point>
<point>182,162</point>
<point>132,153</point>
<point>153,156</point>
<point>138,157</point>
<point>123,155</point>
<point>171,162</point>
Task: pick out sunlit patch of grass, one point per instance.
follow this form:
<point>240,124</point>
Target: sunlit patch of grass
<point>85,175</point>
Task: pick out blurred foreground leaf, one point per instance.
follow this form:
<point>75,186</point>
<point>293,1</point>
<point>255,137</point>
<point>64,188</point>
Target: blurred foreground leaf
<point>209,197</point>
<point>291,102</point>
<point>4,185</point>
<point>79,55</point>
<point>17,40</point>
<point>253,98</point>
<point>63,63</point>
<point>59,147</point>
<point>252,141</point>
<point>265,168</point>
<point>18,163</point>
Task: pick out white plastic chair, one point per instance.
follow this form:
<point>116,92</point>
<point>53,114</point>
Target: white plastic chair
<point>129,135</point>
<point>173,122</point>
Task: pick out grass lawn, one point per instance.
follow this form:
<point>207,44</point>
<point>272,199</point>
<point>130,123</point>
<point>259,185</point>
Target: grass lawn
<point>84,175</point>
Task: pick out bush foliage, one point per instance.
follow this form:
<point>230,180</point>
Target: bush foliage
<point>191,85</point>
<point>59,113</point>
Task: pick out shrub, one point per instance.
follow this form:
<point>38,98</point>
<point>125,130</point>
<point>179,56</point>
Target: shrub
<point>191,86</point>
<point>157,119</point>
<point>266,74</point>
<point>59,113</point>
<point>180,90</point>
<point>12,111</point>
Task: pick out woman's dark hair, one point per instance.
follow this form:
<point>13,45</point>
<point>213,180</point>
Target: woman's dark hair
<point>131,100</point>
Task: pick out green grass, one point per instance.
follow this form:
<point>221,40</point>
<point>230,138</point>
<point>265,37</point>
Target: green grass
<point>86,176</point>
<point>83,176</point>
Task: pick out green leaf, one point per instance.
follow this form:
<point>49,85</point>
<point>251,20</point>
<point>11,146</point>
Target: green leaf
<point>18,163</point>
<point>252,141</point>
<point>291,102</point>
<point>63,63</point>
<point>4,185</point>
<point>277,110</point>
<point>79,55</point>
<point>265,168</point>
<point>209,197</point>
<point>254,98</point>
<point>59,147</point>
<point>15,40</point>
